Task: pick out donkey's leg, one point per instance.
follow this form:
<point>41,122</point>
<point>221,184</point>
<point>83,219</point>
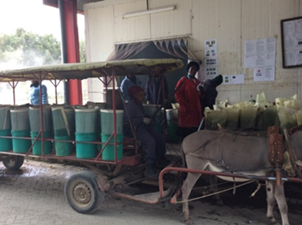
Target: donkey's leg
<point>270,200</point>
<point>214,188</point>
<point>282,204</point>
<point>186,190</point>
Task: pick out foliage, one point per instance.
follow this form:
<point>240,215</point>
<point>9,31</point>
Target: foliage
<point>30,49</point>
<point>82,51</point>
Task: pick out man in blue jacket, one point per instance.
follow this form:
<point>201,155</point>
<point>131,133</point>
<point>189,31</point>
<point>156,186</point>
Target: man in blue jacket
<point>127,83</point>
<point>35,93</point>
<point>156,89</point>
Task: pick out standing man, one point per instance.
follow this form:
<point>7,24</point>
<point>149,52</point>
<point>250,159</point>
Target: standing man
<point>127,83</point>
<point>35,93</point>
<point>211,92</point>
<point>187,94</point>
<point>156,89</point>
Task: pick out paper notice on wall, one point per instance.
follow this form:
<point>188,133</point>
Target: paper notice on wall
<point>264,74</point>
<point>233,79</point>
<point>260,53</point>
<point>210,58</point>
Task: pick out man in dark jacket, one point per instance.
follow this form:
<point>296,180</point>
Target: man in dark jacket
<point>156,89</point>
<point>210,92</point>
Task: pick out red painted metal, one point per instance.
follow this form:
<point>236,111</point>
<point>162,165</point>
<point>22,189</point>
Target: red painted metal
<point>187,170</point>
<point>75,86</point>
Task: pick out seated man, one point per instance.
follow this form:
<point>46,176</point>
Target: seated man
<point>153,143</point>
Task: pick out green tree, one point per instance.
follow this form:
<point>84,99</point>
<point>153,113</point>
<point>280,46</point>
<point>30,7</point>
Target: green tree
<point>82,51</point>
<point>31,49</point>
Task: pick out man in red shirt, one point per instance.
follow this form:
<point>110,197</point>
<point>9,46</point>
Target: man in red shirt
<point>187,94</point>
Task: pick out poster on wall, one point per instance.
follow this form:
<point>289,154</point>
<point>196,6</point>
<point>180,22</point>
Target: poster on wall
<point>260,53</point>
<point>210,59</point>
<point>264,74</point>
<point>233,79</point>
<point>291,38</point>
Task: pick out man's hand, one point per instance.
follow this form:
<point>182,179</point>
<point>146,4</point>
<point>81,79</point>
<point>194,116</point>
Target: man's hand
<point>147,120</point>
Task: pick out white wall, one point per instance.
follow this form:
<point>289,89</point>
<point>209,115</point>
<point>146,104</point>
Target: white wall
<point>231,22</point>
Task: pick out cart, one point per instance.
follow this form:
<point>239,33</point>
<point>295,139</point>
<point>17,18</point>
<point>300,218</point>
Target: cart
<point>85,190</point>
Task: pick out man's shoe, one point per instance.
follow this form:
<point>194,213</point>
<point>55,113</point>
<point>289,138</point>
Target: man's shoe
<point>149,172</point>
<point>162,163</point>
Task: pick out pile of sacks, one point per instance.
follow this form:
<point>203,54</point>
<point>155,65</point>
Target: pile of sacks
<point>284,112</point>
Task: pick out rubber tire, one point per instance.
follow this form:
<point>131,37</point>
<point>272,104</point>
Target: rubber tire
<point>90,195</point>
<point>13,162</point>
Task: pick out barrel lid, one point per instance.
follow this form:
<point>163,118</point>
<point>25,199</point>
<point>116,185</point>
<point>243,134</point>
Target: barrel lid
<point>37,107</point>
<point>111,111</point>
<point>87,110</point>
<point>18,110</point>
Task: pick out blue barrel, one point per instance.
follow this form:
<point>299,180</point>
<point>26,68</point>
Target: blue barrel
<point>20,128</point>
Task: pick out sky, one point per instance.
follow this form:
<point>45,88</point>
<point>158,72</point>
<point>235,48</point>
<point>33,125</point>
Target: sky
<point>34,16</point>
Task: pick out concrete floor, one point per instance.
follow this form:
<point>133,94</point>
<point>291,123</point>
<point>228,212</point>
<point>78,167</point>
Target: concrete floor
<point>34,195</point>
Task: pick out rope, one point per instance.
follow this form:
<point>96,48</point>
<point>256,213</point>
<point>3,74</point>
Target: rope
<point>215,193</point>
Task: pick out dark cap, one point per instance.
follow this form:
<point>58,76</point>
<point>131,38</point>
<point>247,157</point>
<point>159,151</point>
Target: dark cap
<point>193,63</point>
<point>217,80</point>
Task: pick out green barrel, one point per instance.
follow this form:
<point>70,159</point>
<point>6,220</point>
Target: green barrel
<point>35,118</point>
<point>63,120</point>
<point>156,113</point>
<point>21,145</point>
<point>20,128</point>
<point>172,124</point>
<point>86,120</point>
<point>62,148</point>
<point>118,99</point>
<point>108,153</point>
<point>85,150</point>
<point>107,125</point>
<point>20,119</point>
<point>5,143</point>
<point>37,148</point>
<point>5,120</point>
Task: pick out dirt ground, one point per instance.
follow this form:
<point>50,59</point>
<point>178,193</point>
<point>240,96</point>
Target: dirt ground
<point>35,195</point>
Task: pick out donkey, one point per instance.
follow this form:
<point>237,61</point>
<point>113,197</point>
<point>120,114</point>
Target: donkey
<point>220,151</point>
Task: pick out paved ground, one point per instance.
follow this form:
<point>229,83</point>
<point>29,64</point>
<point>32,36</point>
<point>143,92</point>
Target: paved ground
<point>34,195</point>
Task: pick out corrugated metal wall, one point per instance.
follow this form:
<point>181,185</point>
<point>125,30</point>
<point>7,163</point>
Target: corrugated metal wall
<point>231,22</point>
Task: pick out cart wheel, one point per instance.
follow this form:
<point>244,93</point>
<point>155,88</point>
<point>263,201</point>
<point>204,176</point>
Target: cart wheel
<point>13,162</point>
<point>82,192</point>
